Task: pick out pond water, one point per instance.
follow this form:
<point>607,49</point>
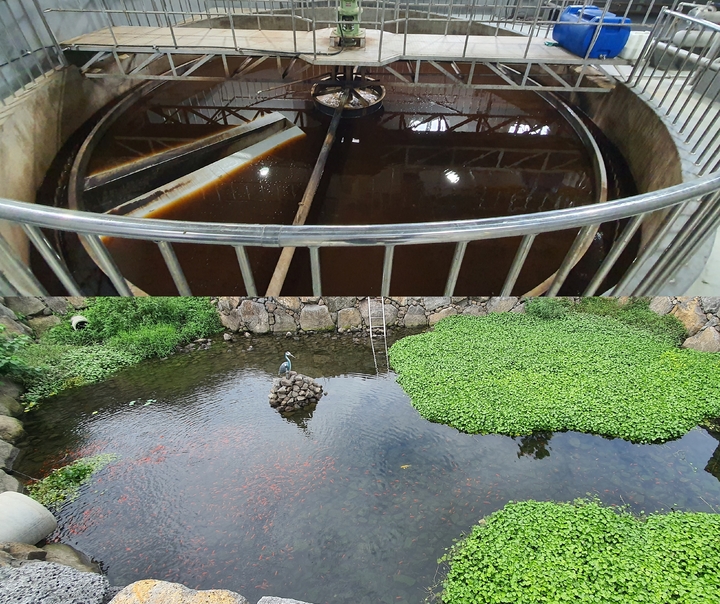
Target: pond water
<point>354,502</point>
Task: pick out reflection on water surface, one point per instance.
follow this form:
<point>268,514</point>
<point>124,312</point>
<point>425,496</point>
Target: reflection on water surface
<point>355,503</point>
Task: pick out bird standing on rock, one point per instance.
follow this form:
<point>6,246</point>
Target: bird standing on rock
<point>287,365</point>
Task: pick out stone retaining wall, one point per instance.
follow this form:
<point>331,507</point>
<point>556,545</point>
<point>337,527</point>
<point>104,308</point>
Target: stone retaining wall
<point>342,314</point>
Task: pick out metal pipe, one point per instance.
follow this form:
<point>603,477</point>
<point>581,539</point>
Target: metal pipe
<point>387,270</point>
<point>246,271</point>
<point>56,43</point>
<point>56,264</point>
<point>106,263</point>
<point>454,273</point>
<point>614,253</point>
<point>315,271</point>
<point>18,273</point>
<point>576,251</point>
<point>174,267</point>
<point>517,265</point>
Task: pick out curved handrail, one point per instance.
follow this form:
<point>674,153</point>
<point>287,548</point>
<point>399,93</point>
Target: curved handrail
<point>264,235</point>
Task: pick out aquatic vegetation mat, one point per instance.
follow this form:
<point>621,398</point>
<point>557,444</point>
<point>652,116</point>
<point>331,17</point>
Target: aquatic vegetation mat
<point>534,552</point>
<point>62,485</point>
<point>517,374</point>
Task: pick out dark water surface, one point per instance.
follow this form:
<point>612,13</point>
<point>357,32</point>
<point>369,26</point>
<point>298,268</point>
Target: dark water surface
<point>353,503</point>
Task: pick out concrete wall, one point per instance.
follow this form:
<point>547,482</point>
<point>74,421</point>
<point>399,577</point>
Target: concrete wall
<point>34,127</point>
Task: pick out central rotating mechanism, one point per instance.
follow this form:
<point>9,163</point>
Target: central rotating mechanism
<point>365,95</point>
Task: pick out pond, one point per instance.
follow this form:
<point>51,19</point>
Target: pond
<point>354,502</point>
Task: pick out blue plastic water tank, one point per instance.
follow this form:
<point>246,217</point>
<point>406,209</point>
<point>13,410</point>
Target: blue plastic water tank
<point>577,38</point>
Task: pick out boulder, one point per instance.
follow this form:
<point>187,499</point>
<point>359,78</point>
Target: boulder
<point>9,406</point>
<point>284,322</point>
<point>11,389</point>
<point>290,302</point>
<point>432,303</point>
<point>23,551</point>
<point>475,310</point>
<point>498,304</point>
<point>77,302</point>
<point>8,455</point>
<point>227,303</point>
<point>41,324</point>
<point>706,340</point>
<point>57,304</point>
<point>23,519</point>
<point>151,591</point>
<point>26,305</point>
<point>349,318</point>
<point>661,305</point>
<point>314,317</point>
<point>690,315</point>
<point>711,305</point>
<point>376,307</point>
<point>13,327</point>
<point>337,303</point>
<point>9,483</point>
<point>232,320</point>
<point>415,317</point>
<point>11,430</point>
<point>255,316</point>
<point>48,582</point>
<point>440,315</point>
<point>69,556</point>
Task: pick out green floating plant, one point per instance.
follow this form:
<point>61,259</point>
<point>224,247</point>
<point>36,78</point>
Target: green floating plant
<point>536,552</point>
<point>619,375</point>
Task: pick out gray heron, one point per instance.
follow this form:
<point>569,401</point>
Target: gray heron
<point>287,365</point>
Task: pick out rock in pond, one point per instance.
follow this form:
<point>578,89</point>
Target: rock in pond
<point>150,591</point>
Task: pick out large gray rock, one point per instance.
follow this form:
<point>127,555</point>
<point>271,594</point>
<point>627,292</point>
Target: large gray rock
<point>69,556</point>
<point>11,430</point>
<point>255,316</point>
<point>498,304</point>
<point>8,455</point>
<point>232,320</point>
<point>337,303</point>
<point>6,312</point>
<point>440,315</point>
<point>50,583</point>
<point>58,305</point>
<point>23,519</point>
<point>9,406</point>
<point>475,310</point>
<point>432,303</point>
<point>227,303</point>
<point>289,302</point>
<point>314,317</point>
<point>284,322</point>
<point>707,340</point>
<point>661,305</point>
<point>26,306</point>
<point>415,317</point>
<point>690,315</point>
<point>13,327</point>
<point>41,324</point>
<point>151,591</point>
<point>349,318</point>
<point>376,307</point>
<point>711,305</point>
<point>9,483</point>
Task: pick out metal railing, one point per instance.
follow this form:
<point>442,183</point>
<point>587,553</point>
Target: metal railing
<point>679,89</point>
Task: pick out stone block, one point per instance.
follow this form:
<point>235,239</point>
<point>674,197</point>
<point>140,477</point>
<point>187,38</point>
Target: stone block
<point>475,310</point>
<point>41,324</point>
<point>290,302</point>
<point>498,304</point>
<point>26,305</point>
<point>77,302</point>
<point>284,322</point>
<point>227,303</point>
<point>440,315</point>
<point>707,340</point>
<point>60,306</point>
<point>415,317</point>
<point>9,406</point>
<point>11,430</point>
<point>232,320</point>
<point>710,305</point>
<point>690,315</point>
<point>349,318</point>
<point>661,305</point>
<point>8,455</point>
<point>151,591</point>
<point>6,312</point>
<point>15,327</point>
<point>255,316</point>
<point>433,303</point>
<point>337,303</point>
<point>314,317</point>
<point>376,307</point>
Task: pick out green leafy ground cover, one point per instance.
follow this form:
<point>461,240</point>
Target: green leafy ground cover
<point>120,332</point>
<point>591,368</point>
<point>536,552</point>
<point>62,485</point>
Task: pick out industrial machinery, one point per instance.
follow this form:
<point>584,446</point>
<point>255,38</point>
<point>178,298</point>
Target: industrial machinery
<point>348,32</point>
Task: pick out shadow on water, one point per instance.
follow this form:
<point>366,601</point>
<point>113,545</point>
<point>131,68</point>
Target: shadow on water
<point>352,502</point>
